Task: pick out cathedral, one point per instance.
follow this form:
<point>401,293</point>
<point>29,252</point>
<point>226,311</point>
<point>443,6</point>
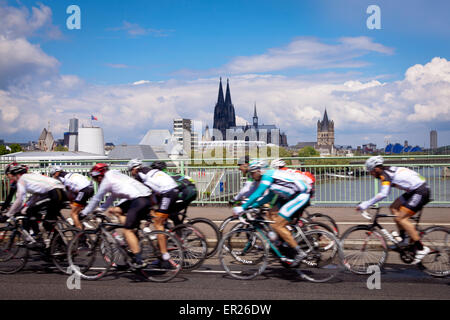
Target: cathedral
<point>325,134</point>
<point>225,122</point>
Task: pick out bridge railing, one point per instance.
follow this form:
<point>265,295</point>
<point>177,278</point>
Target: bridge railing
<point>343,184</point>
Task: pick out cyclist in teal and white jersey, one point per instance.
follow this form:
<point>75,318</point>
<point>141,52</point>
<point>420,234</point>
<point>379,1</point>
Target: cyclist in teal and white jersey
<point>293,198</point>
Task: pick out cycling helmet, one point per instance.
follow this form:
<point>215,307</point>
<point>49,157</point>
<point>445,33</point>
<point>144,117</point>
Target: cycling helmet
<point>55,169</point>
<point>17,169</point>
<point>99,169</point>
<point>373,162</point>
<point>257,165</point>
<point>133,163</point>
<point>8,167</point>
<point>310,176</point>
<point>277,163</point>
<point>243,160</point>
<point>160,165</point>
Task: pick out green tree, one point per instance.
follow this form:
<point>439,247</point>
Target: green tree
<point>61,148</point>
<point>15,148</point>
<point>3,150</point>
<point>308,151</point>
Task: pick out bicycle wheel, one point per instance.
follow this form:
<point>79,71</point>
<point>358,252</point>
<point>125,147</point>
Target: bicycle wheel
<point>227,224</point>
<point>158,270</point>
<point>13,253</point>
<point>211,232</point>
<point>243,254</point>
<point>89,255</point>
<point>329,221</point>
<point>363,248</point>
<point>437,262</point>
<point>58,248</point>
<point>324,256</point>
<point>193,243</point>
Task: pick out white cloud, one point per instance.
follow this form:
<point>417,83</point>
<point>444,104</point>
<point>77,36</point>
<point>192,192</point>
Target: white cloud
<point>135,30</point>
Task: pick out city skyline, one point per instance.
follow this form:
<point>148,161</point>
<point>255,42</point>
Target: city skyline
<point>139,65</point>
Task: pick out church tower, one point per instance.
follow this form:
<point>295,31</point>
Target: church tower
<point>224,114</point>
<point>325,132</point>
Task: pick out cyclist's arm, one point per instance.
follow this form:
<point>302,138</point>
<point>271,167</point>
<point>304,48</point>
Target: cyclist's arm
<point>266,198</point>
<point>20,199</point>
<point>12,192</point>
<point>93,203</point>
<point>385,189</point>
<point>263,186</point>
<point>246,189</point>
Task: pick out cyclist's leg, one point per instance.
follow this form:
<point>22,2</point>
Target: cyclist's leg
<point>138,209</point>
<point>79,203</point>
<point>395,208</point>
<point>287,212</point>
<point>57,197</point>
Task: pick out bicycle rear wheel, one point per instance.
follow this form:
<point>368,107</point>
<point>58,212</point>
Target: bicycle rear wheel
<point>324,256</point>
<point>89,255</point>
<point>211,232</point>
<point>243,254</point>
<point>58,248</point>
<point>437,262</point>
<point>13,253</point>
<point>227,224</point>
<point>363,247</point>
<point>158,270</point>
<point>193,243</point>
<point>329,221</point>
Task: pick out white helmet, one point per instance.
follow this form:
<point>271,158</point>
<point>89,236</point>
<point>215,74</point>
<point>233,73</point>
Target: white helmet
<point>257,165</point>
<point>133,163</point>
<point>373,162</point>
<point>55,169</point>
<point>277,163</point>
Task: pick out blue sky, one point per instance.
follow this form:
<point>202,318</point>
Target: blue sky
<point>180,46</point>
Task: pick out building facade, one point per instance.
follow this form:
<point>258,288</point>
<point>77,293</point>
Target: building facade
<point>433,140</point>
<point>325,134</point>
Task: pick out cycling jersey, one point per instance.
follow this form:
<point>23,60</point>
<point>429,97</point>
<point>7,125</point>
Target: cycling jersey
<point>284,183</point>
<point>35,184</point>
<point>398,177</point>
<point>247,189</point>
<point>74,182</point>
<point>157,180</point>
<point>120,186</point>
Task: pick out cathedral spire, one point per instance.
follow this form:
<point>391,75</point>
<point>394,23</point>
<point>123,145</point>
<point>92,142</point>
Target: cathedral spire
<point>220,99</point>
<point>228,94</point>
<point>255,117</point>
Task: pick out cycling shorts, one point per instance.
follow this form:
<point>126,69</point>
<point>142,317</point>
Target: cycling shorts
<point>135,210</point>
<point>167,202</point>
<point>416,199</point>
<point>293,207</point>
<point>83,196</point>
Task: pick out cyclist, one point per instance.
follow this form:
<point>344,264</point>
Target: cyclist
<point>416,196</point>
<point>307,176</point>
<point>135,202</point>
<point>249,186</point>
<point>45,191</point>
<point>79,190</point>
<point>166,194</point>
<point>293,198</point>
<point>12,187</point>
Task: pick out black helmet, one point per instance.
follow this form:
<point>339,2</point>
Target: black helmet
<point>17,169</point>
<point>160,165</point>
<point>9,166</point>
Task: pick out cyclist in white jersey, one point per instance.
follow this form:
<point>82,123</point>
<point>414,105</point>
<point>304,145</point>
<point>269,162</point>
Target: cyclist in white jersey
<point>165,191</point>
<point>416,196</point>
<point>136,203</point>
<point>45,192</point>
<point>79,189</point>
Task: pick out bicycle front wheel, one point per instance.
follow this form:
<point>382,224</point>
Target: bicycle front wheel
<point>157,269</point>
<point>193,243</point>
<point>329,221</point>
<point>13,253</point>
<point>243,254</point>
<point>324,256</point>
<point>437,262</point>
<point>89,255</point>
<point>363,248</point>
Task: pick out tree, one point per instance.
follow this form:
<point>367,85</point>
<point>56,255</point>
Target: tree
<point>15,147</point>
<point>308,151</point>
<point>3,150</point>
<point>61,148</point>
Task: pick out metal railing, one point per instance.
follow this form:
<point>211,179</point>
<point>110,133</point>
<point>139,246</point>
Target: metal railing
<point>336,185</point>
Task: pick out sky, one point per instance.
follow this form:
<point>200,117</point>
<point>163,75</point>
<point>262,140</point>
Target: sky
<point>137,65</point>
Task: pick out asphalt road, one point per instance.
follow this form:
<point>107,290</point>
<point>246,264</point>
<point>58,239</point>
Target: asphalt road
<point>398,281</point>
